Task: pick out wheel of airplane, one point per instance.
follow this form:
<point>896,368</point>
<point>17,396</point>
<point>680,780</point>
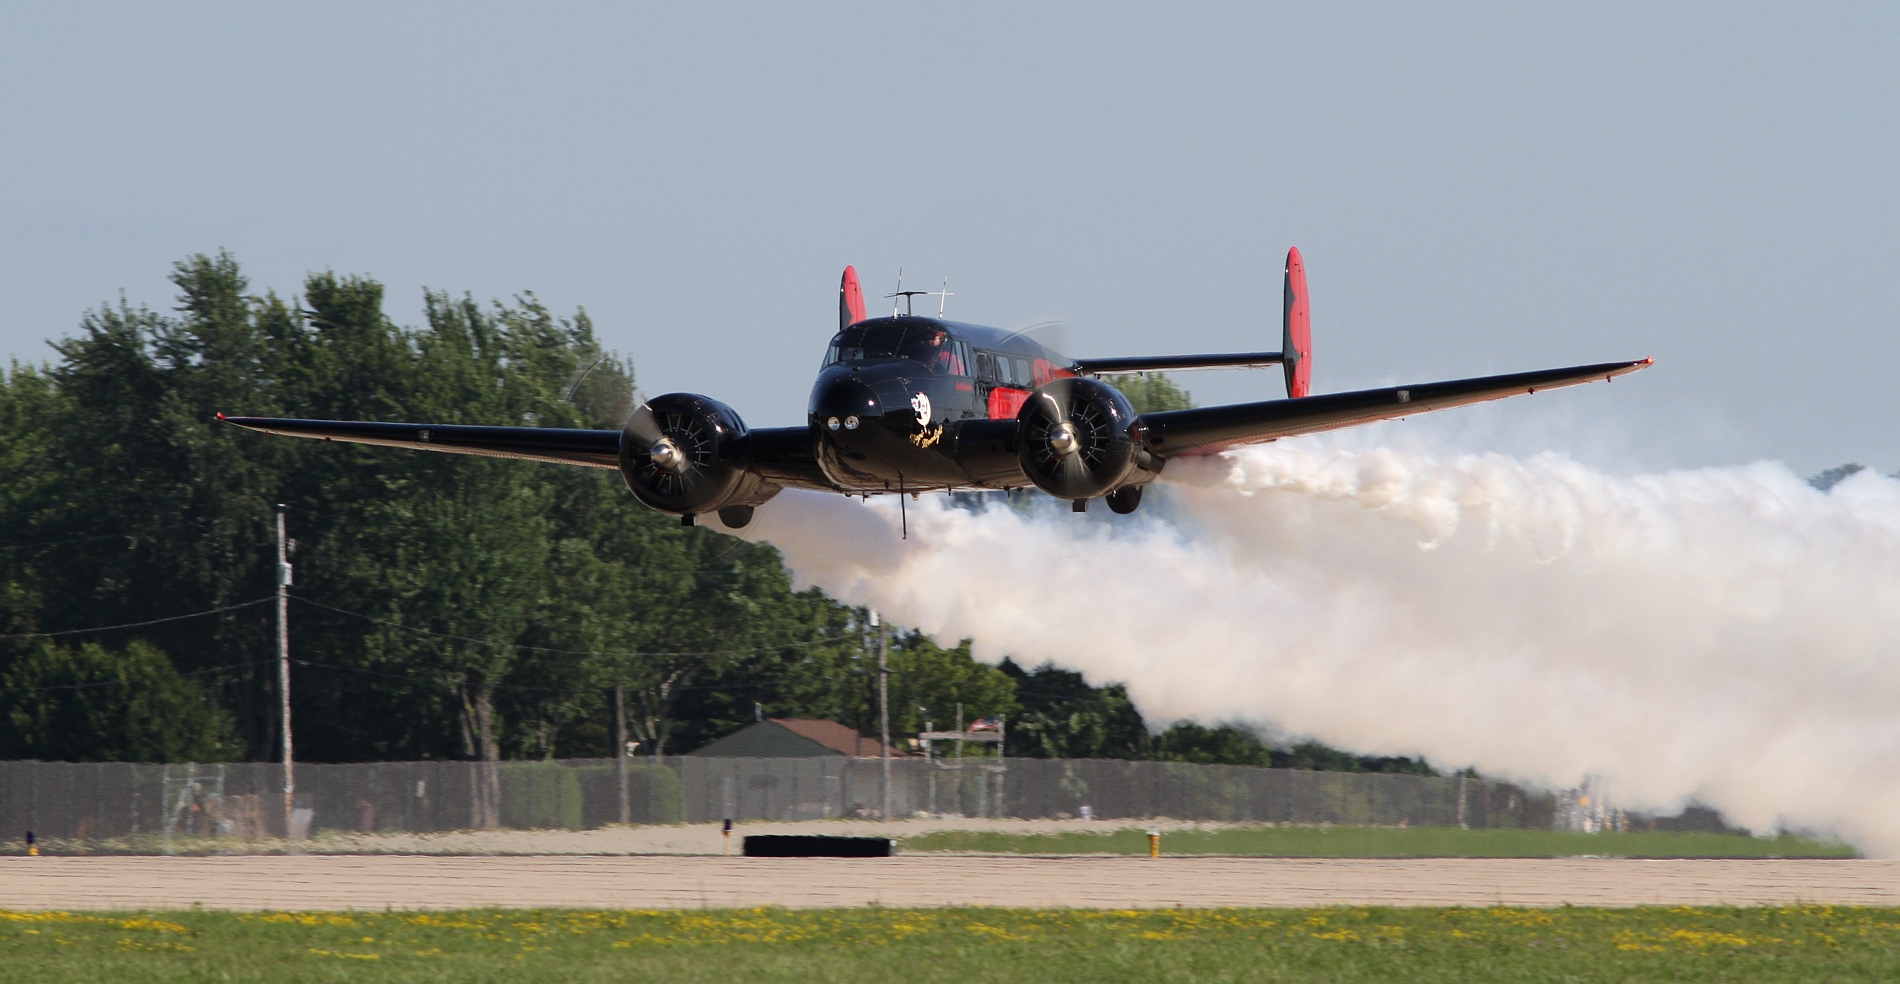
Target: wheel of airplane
<point>1124,500</point>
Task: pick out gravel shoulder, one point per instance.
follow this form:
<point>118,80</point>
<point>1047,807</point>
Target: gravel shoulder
<point>705,839</point>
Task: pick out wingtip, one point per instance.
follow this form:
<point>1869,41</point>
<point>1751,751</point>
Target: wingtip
<point>221,415</point>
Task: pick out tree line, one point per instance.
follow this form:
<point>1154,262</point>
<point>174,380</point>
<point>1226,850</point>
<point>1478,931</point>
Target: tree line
<point>445,606</point>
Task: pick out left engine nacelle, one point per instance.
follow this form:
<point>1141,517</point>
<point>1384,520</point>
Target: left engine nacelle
<point>685,454</point>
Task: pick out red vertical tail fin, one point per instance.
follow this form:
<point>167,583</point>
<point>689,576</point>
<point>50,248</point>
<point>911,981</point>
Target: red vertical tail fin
<point>850,299</point>
<point>1296,330</point>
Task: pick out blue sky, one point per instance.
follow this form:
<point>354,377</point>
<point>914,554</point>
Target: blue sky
<point>1476,188</point>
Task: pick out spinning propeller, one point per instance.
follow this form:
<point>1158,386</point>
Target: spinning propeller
<point>1074,440</point>
<point>685,454</point>
<point>1070,437</point>
<point>670,449</point>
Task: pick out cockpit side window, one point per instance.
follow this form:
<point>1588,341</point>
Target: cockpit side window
<point>928,347</point>
<point>953,359</point>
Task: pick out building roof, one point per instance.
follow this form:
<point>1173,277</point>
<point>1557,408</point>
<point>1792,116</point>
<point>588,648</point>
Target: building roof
<point>795,738</point>
<point>832,735</point>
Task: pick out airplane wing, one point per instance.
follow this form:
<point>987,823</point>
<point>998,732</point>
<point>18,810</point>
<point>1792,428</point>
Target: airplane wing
<point>1208,430</point>
<point>780,454</point>
<point>590,448</point>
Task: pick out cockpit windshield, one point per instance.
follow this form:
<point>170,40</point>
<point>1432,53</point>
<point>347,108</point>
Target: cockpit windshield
<point>923,344</point>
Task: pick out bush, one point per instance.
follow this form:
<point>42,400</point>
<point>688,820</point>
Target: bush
<point>538,795</point>
<point>93,704</point>
<point>653,794</point>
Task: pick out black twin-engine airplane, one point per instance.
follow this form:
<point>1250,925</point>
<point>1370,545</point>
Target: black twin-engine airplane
<point>919,404</point>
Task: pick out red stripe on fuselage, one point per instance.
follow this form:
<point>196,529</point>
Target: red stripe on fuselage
<point>1006,402</point>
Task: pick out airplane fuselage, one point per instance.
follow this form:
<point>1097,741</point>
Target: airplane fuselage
<point>899,401</point>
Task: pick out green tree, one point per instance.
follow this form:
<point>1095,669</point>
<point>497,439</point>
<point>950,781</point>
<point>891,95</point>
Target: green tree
<point>160,515</point>
<point>827,668</point>
<point>927,683</point>
<point>1226,744</point>
<point>1063,717</point>
<point>27,399</point>
<point>930,681</point>
<point>1153,392</point>
<point>1322,758</point>
<point>457,546</point>
<point>93,704</point>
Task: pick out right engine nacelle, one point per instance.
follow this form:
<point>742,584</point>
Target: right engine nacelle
<point>677,454</point>
<point>1075,438</point>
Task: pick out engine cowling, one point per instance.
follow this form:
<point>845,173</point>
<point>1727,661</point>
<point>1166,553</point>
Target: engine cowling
<point>1075,438</point>
<point>684,454</point>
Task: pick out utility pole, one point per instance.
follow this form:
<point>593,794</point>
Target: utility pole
<point>283,670</point>
<point>960,734</point>
<point>620,751</point>
<point>884,706</point>
<point>930,759</point>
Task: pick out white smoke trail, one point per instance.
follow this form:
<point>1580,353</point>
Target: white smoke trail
<point>1728,635</point>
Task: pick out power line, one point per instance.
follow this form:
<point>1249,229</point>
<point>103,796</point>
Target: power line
<point>434,678</point>
<point>441,677</point>
<point>102,536</point>
<point>444,676</point>
<point>127,683</point>
<point>135,625</point>
<point>557,652</point>
<point>421,631</point>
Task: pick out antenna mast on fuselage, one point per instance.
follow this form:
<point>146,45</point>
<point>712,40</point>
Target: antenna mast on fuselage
<point>943,296</point>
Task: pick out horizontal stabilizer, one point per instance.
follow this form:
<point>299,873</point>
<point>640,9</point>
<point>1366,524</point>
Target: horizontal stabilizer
<point>1175,363</point>
<point>568,446</point>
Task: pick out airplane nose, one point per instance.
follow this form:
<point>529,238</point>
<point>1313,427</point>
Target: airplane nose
<point>846,410</point>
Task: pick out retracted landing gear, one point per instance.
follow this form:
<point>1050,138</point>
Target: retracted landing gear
<point>1124,500</point>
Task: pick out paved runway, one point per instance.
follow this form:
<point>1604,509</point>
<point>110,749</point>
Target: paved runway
<point>413,882</point>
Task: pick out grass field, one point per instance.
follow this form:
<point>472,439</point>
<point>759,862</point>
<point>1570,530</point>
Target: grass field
<point>1384,842</point>
<point>957,946</point>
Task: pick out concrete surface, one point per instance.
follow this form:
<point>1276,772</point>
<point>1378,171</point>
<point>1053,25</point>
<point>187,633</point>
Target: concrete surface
<point>420,882</point>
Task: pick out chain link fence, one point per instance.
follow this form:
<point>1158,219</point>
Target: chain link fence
<point>158,808</point>
<point>801,789</point>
